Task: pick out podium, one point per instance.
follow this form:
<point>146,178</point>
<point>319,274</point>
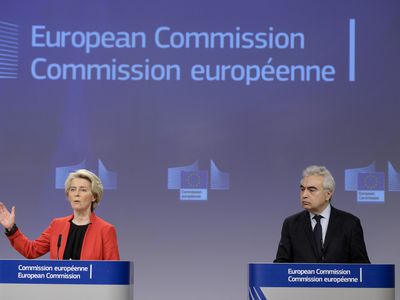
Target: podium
<point>321,281</point>
<point>66,280</point>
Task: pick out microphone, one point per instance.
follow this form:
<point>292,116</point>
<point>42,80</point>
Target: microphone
<point>59,245</point>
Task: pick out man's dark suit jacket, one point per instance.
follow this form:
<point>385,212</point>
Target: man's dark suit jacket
<point>344,240</point>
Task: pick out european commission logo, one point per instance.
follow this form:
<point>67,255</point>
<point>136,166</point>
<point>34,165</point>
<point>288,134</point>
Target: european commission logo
<point>108,178</point>
<point>193,184</point>
<point>255,293</point>
<point>370,183</point>
<point>8,50</point>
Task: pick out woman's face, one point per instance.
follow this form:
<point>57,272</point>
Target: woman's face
<point>80,195</point>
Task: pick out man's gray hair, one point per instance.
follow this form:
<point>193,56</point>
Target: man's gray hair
<point>328,183</point>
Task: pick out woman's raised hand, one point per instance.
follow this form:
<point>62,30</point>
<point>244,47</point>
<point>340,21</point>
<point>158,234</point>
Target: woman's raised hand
<point>7,218</point>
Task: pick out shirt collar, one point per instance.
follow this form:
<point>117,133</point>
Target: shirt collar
<point>325,213</point>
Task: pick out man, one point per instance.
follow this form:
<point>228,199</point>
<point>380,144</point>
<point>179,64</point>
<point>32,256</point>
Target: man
<point>321,233</point>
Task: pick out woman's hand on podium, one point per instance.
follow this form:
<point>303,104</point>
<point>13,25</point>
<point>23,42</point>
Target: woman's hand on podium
<point>7,218</point>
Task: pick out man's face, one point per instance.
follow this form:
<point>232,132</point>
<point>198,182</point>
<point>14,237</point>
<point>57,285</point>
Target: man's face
<point>313,197</point>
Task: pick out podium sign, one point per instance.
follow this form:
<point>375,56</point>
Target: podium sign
<point>66,279</point>
<point>321,281</point>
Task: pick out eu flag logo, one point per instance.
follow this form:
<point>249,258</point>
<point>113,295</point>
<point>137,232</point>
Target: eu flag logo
<point>374,181</point>
<point>371,187</point>
<point>194,180</point>
<point>193,184</point>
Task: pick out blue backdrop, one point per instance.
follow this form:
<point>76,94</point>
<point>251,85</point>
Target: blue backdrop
<point>239,95</point>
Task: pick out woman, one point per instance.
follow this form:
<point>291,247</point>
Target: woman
<point>82,235</point>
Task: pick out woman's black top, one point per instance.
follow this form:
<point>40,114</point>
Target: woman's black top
<point>74,242</point>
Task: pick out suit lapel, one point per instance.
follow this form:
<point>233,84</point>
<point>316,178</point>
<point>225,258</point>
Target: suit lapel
<point>332,227</point>
<point>308,232</point>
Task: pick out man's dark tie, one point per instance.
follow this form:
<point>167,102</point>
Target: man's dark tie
<point>318,234</point>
